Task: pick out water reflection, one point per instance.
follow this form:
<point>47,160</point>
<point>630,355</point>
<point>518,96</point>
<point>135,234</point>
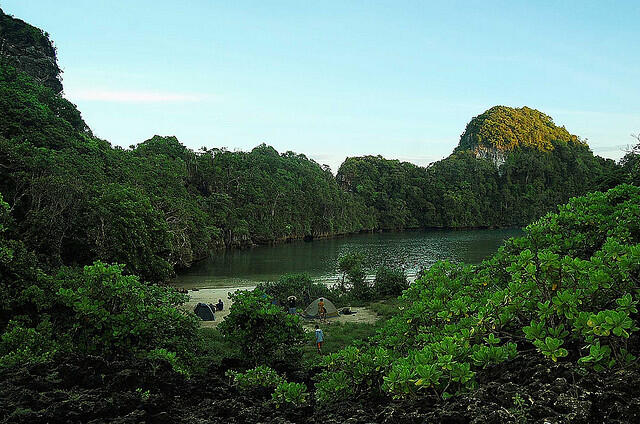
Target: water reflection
<point>411,250</point>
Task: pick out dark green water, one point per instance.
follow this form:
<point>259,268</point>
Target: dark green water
<point>412,250</point>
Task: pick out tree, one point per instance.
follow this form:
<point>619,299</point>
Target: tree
<point>352,266</point>
<point>264,332</point>
<point>390,282</point>
<point>631,161</point>
<point>125,228</point>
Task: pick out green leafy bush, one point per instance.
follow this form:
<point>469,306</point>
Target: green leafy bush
<point>116,314</point>
<point>255,379</point>
<point>290,394</point>
<point>264,332</point>
<point>261,380</point>
<point>20,345</point>
<point>98,311</point>
<point>351,372</point>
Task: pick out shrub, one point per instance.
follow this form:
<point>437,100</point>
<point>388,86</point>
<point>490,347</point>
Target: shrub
<point>569,286</point>
<point>261,380</point>
<point>299,285</point>
<point>170,357</point>
<point>211,350</point>
<point>20,344</point>
<point>256,379</point>
<point>290,394</point>
<point>264,332</point>
<point>390,282</point>
<point>351,372</point>
<point>96,310</point>
<point>112,314</point>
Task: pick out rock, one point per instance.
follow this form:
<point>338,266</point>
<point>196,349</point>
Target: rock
<point>559,385</point>
<point>576,410</point>
<point>30,395</point>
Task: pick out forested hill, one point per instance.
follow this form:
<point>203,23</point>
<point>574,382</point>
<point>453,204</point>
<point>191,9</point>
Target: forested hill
<point>74,198</point>
<point>511,166</point>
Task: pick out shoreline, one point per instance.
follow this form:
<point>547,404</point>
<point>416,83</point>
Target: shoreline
<point>362,315</point>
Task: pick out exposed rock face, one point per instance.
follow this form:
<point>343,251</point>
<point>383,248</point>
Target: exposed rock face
<point>495,155</point>
<point>29,49</point>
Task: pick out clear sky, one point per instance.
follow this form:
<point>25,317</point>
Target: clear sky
<point>333,79</point>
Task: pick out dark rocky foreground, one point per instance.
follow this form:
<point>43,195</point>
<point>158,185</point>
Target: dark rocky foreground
<point>91,390</point>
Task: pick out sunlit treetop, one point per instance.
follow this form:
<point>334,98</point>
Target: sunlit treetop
<point>506,128</point>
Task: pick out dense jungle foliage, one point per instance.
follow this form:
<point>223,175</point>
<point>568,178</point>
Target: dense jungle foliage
<point>463,190</point>
<point>154,207</point>
<point>567,290</point>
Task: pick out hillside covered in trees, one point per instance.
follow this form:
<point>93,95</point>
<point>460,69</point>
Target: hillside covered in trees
<point>510,167</point>
<point>155,207</point>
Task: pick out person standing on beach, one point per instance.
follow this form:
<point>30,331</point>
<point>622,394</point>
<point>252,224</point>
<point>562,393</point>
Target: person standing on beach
<point>319,339</point>
<point>322,312</point>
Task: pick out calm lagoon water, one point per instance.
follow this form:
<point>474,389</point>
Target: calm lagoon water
<point>412,250</point>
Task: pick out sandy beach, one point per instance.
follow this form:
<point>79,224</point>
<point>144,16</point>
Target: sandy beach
<point>207,296</point>
<point>211,296</point>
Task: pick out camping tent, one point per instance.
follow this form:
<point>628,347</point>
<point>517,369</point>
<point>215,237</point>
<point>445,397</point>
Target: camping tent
<point>204,312</point>
<point>312,309</point>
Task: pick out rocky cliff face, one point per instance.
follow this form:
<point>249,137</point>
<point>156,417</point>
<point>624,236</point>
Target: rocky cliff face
<point>29,49</point>
<point>492,153</point>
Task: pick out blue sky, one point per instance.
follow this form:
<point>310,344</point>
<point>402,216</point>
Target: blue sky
<point>333,79</point>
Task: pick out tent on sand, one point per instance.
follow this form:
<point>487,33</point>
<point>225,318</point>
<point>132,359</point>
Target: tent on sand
<point>312,309</point>
<point>204,311</point>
